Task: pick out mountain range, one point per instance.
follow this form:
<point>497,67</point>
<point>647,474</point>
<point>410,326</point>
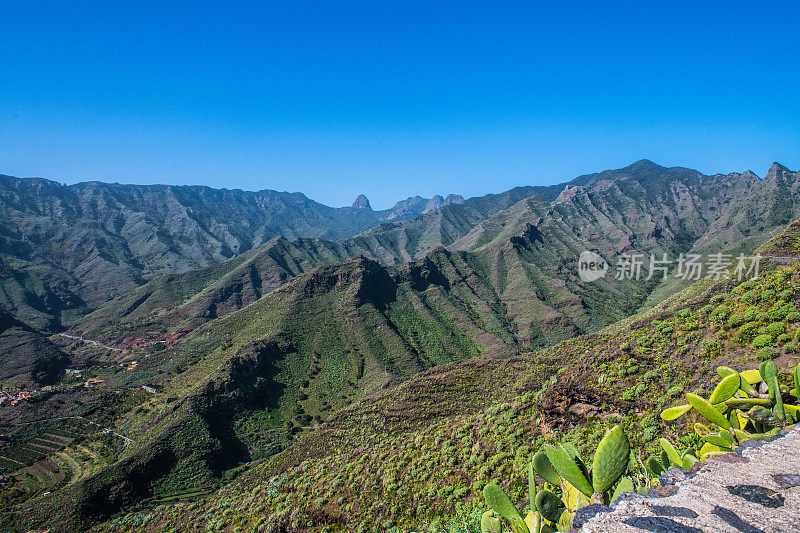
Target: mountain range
<point>262,321</point>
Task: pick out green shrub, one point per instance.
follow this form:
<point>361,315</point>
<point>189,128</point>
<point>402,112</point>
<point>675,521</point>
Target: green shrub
<point>675,391</point>
<point>712,348</point>
<point>736,320</point>
<point>783,338</point>
<point>750,314</point>
<point>793,316</point>
<point>767,295</point>
<point>748,331</point>
<point>767,353</point>
<point>721,313</point>
<point>762,340</point>
<point>776,328</point>
<point>790,347</point>
<point>750,297</point>
<point>778,313</point>
<point>629,394</point>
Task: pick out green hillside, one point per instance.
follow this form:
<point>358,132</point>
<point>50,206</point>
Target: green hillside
<point>416,456</point>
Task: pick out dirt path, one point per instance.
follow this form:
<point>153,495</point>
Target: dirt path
<point>89,341</point>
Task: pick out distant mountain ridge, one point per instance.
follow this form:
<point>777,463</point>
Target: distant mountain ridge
<point>410,207</point>
<point>67,249</point>
<point>521,257</point>
<point>54,273</point>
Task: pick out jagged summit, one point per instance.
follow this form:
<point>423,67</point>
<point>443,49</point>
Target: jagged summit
<point>362,203</point>
<point>434,203</point>
<point>453,199</point>
<point>437,201</point>
<point>775,168</point>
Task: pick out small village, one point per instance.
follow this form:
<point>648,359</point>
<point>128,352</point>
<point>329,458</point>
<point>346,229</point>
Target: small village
<point>73,378</point>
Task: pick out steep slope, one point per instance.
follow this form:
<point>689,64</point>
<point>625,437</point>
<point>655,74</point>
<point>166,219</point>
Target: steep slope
<point>181,302</point>
<point>769,205</point>
<point>744,221</point>
<point>28,358</point>
<point>239,386</point>
<point>416,456</point>
<point>288,360</point>
<point>92,242</point>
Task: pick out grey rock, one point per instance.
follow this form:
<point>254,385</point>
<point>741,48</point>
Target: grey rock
<point>727,458</point>
<point>624,497</point>
<point>583,514</point>
<point>669,510</point>
<point>787,481</point>
<point>752,443</point>
<point>674,475</point>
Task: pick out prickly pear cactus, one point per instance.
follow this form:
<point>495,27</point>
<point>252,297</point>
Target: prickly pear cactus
<point>673,454</point>
<point>549,505</point>
<point>673,413</point>
<point>726,388</point>
<point>769,370</point>
<point>708,411</point>
<point>610,459</point>
<point>625,485</point>
<point>567,467</point>
<point>500,503</point>
<point>654,466</point>
<point>543,467</point>
<point>490,523</point>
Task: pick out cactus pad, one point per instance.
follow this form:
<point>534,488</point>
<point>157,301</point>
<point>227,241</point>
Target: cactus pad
<point>725,389</point>
<point>673,413</point>
<point>610,459</point>
<point>500,503</point>
<point>549,505</point>
<point>543,467</point>
<point>567,466</point>
<point>490,523</point>
<point>708,411</point>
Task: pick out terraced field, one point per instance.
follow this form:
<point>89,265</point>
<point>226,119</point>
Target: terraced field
<point>57,458</point>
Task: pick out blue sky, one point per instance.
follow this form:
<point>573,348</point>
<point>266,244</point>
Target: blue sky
<point>392,99</point>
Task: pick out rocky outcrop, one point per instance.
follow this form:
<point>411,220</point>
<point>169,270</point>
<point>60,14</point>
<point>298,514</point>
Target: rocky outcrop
<point>362,203</point>
<point>754,490</point>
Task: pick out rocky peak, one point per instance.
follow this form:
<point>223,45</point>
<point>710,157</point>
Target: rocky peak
<point>750,175</point>
<point>362,203</point>
<point>434,203</point>
<point>777,170</point>
<point>437,201</point>
<point>568,192</point>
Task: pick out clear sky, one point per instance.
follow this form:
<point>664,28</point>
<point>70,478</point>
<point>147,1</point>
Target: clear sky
<point>392,99</point>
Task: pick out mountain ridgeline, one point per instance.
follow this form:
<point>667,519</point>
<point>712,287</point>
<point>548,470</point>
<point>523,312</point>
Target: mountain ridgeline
<point>255,319</point>
<point>69,249</point>
<point>517,253</point>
